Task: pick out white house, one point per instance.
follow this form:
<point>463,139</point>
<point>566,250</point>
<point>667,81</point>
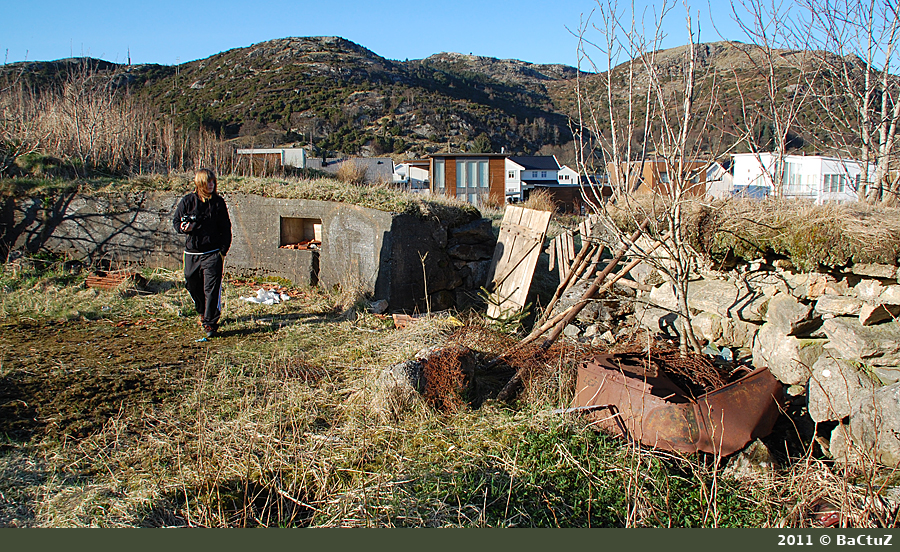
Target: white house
<point>286,157</point>
<point>412,176</point>
<point>523,173</point>
<point>567,176</point>
<point>719,182</point>
<point>813,177</point>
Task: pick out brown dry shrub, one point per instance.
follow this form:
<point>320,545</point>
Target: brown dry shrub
<point>833,234</point>
<point>540,200</point>
<point>492,202</point>
<point>352,172</point>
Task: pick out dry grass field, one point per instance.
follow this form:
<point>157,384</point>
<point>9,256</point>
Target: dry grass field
<point>112,415</point>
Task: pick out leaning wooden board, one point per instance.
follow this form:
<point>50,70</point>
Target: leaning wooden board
<point>522,233</point>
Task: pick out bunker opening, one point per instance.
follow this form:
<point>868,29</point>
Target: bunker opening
<point>301,233</point>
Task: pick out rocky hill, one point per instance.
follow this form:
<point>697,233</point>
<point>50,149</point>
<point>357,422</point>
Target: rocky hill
<point>341,97</point>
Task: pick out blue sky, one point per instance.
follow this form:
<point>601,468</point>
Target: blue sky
<point>173,31</point>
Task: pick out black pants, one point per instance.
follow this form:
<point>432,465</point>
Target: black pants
<point>203,279</point>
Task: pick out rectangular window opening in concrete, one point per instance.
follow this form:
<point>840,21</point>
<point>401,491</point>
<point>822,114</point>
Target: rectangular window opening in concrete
<point>300,233</point>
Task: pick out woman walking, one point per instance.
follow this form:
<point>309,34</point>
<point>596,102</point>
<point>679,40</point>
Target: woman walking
<point>203,216</point>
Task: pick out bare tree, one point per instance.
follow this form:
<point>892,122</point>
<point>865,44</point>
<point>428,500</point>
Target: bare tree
<point>771,85</point>
<point>857,96</point>
<point>651,116</point>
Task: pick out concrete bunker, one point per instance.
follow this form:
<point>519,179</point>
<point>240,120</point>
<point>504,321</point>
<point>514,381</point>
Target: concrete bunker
<point>305,241</point>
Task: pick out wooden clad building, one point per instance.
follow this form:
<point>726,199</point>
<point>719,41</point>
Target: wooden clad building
<point>471,177</point>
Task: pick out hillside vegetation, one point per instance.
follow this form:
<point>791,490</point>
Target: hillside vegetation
<point>338,96</point>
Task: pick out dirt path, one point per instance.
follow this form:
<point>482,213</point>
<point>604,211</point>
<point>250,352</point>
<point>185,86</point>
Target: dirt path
<point>70,378</point>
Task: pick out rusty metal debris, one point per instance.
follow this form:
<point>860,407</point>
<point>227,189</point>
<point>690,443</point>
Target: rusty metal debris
<point>631,398</point>
<point>113,279</point>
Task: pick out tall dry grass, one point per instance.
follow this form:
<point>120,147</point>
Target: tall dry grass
<point>352,172</point>
<point>94,125</point>
<point>540,200</point>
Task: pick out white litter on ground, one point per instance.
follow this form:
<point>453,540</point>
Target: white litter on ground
<point>267,297</point>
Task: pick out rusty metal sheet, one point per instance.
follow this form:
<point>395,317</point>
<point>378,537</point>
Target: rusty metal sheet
<point>646,406</point>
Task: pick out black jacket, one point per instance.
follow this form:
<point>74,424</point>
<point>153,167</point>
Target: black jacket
<point>212,229</point>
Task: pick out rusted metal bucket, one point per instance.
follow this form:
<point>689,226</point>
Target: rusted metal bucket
<point>656,412</point>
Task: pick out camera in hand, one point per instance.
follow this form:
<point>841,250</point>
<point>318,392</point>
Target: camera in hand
<point>188,218</point>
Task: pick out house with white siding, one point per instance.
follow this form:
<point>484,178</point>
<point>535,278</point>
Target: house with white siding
<point>524,173</point>
<point>412,176</point>
<point>813,177</point>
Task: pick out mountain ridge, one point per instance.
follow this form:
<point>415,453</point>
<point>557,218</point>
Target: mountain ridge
<point>338,96</point>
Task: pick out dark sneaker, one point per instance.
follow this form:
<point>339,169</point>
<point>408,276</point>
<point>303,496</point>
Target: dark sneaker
<point>210,331</point>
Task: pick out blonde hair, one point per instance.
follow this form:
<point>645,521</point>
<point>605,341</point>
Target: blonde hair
<point>201,179</point>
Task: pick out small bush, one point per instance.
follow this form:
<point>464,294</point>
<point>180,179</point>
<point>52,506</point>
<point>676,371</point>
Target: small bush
<point>40,165</point>
<point>352,173</point>
<point>540,200</point>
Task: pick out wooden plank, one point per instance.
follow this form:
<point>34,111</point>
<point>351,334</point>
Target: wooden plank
<point>552,252</point>
<point>583,230</point>
<point>522,233</point>
<point>570,248</point>
<point>560,258</point>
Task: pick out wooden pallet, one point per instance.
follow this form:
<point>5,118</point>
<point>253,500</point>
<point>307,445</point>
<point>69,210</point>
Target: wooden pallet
<point>522,233</point>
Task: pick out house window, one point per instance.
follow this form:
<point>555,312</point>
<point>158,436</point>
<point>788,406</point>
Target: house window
<point>533,174</point>
<point>439,175</point>
<point>472,179</point>
<point>543,174</point>
<point>834,183</point>
<point>511,175</point>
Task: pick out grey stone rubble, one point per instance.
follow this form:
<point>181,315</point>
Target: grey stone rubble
<point>833,337</point>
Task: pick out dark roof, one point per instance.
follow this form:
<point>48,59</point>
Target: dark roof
<point>537,162</point>
<point>377,168</point>
<point>462,154</point>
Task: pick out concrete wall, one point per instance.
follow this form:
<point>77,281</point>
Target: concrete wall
<point>379,252</point>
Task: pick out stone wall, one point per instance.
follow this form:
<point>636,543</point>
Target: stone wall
<point>381,253</point>
<point>833,339</point>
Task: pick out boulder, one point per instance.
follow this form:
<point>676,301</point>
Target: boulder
<point>887,375</point>
<point>890,296</point>
<point>663,296</point>
<point>657,320</point>
<point>790,359</point>
<point>769,283</point>
<point>873,270</point>
<point>379,306</point>
<point>727,299</point>
<point>870,315</point>
<point>749,463</point>
<point>823,287</point>
<point>868,290</point>
<point>873,345</point>
<point>707,326</point>
<point>644,273</point>
<point>737,333</point>
<point>875,424</point>
<point>808,285</point>
<point>715,296</point>
<point>478,273</point>
<point>471,252</point>
<point>834,386</point>
<point>476,232</point>
<point>838,305</point>
<point>790,316</point>
<point>840,445</point>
